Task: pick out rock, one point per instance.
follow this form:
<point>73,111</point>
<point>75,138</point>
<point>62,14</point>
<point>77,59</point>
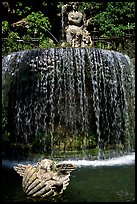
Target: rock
<point>47,179</point>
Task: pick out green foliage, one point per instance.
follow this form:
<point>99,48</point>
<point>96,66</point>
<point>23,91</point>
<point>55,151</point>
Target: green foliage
<point>37,22</point>
<point>46,42</point>
<point>91,7</point>
<point>111,21</point>
<point>22,10</point>
<point>106,17</point>
<point>44,4</point>
<point>11,44</point>
<point>10,36</point>
<point>5,27</point>
<point>37,25</point>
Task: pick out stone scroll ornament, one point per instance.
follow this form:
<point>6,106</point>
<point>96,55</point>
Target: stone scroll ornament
<point>46,180</point>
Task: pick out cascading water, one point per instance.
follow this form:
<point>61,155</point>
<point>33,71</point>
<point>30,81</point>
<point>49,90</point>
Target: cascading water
<point>62,98</point>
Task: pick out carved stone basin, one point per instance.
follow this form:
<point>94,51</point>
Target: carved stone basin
<point>47,179</point>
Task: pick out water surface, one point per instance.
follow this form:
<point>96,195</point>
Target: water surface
<point>112,180</point>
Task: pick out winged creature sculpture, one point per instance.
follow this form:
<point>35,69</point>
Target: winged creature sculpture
<point>47,179</point>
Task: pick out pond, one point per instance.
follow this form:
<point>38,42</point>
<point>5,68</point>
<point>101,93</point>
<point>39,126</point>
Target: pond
<point>111,180</point>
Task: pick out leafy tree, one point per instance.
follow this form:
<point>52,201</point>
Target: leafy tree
<point>116,19</point>
<point>30,23</point>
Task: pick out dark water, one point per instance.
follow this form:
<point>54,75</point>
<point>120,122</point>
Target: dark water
<point>102,184</point>
<point>87,184</point>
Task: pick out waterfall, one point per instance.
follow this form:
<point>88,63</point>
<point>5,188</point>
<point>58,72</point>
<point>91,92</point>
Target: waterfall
<point>63,99</point>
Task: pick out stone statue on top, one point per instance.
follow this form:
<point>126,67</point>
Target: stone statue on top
<point>76,33</point>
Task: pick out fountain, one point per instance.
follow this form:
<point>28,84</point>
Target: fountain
<point>69,99</point>
<point>63,99</point>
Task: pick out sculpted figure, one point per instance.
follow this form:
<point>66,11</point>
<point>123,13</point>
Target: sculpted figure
<point>75,17</point>
<point>75,26</point>
<point>86,39</point>
<point>75,31</point>
<point>46,180</point>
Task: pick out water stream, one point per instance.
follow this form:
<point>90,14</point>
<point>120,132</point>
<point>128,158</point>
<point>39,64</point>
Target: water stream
<point>73,99</point>
<point>60,98</point>
<point>62,24</point>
